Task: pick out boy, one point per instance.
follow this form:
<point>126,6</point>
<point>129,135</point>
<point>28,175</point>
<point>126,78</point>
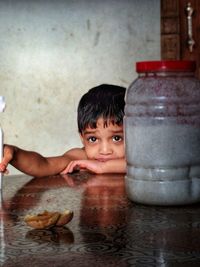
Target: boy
<point>100,125</point>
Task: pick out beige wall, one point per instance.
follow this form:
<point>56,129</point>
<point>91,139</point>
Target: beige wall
<point>51,52</point>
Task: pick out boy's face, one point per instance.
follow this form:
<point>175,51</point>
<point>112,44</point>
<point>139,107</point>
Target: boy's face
<point>104,142</point>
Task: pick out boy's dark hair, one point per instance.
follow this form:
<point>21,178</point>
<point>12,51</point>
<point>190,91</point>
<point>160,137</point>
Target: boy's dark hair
<point>104,101</point>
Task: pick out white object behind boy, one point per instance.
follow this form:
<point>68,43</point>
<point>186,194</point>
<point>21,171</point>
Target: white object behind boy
<point>2,107</point>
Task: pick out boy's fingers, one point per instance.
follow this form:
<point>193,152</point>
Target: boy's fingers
<point>69,168</point>
<point>2,167</point>
<point>65,171</point>
<point>73,166</point>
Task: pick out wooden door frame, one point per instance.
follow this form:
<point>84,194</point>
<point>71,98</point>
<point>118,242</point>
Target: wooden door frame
<point>170,30</point>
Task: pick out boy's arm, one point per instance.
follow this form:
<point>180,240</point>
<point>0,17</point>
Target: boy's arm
<point>114,166</point>
<point>34,164</point>
<point>98,167</point>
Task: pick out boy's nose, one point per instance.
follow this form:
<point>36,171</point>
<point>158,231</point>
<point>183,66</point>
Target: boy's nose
<point>105,148</point>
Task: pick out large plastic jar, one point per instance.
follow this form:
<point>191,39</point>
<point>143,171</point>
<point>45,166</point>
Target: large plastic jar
<point>162,134</point>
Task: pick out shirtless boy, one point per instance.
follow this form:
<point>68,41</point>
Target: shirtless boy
<point>100,126</point>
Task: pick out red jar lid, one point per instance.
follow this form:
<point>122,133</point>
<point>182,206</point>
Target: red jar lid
<point>166,65</point>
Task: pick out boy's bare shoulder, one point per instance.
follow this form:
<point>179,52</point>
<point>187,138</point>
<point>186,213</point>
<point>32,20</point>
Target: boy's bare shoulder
<point>76,154</point>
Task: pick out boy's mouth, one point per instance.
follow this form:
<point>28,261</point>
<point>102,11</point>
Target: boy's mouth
<point>103,159</point>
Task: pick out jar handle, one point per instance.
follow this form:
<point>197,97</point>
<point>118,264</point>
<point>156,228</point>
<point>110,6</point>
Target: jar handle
<point>190,12</point>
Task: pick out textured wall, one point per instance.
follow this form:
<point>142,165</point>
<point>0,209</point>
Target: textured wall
<point>51,52</point>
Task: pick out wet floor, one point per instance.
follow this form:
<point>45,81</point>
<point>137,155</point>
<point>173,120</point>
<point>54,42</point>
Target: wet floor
<point>106,230</point>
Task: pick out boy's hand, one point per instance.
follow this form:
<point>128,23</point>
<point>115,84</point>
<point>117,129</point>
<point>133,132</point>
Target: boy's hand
<point>8,153</point>
<point>98,167</point>
<point>3,168</point>
<point>90,165</point>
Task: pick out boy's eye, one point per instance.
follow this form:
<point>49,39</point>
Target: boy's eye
<point>117,138</point>
<point>92,139</point>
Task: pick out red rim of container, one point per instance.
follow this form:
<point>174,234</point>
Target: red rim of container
<point>166,65</point>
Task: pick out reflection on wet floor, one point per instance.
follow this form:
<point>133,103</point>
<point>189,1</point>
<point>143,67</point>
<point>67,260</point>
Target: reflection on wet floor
<point>107,229</point>
<point>56,235</point>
